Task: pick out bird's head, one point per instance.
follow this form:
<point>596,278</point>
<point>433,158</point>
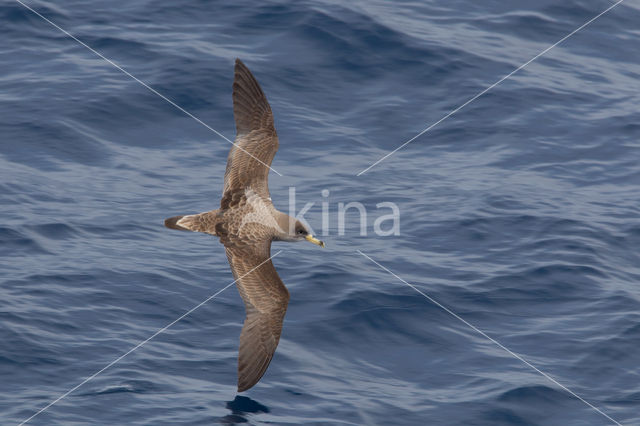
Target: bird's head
<point>292,230</point>
<point>302,233</point>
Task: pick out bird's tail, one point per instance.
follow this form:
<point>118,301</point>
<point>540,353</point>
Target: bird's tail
<point>204,222</point>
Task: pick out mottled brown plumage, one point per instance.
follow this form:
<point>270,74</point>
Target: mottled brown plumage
<point>247,223</point>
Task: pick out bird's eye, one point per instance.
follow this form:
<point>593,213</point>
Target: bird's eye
<point>301,232</point>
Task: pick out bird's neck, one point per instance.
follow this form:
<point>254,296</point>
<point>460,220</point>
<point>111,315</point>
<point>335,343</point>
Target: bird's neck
<point>287,225</point>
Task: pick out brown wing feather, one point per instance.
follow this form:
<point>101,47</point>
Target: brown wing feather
<point>265,298</point>
<point>256,140</point>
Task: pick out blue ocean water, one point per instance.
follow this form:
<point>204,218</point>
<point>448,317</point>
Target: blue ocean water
<point>519,213</point>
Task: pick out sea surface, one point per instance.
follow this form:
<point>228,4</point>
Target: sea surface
<point>519,213</point>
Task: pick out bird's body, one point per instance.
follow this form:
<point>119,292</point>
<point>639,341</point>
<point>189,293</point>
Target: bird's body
<point>246,224</point>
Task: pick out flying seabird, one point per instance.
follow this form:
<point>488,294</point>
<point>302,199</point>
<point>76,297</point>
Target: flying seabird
<point>246,223</point>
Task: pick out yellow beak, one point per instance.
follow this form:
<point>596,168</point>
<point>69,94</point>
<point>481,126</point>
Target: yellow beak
<point>314,240</point>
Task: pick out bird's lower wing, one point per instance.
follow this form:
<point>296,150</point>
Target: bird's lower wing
<point>258,342</point>
<point>265,298</point>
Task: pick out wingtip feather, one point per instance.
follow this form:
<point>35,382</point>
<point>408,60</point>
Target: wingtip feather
<point>250,106</point>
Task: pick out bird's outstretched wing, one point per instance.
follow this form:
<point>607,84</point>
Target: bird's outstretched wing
<point>256,139</point>
<point>265,298</point>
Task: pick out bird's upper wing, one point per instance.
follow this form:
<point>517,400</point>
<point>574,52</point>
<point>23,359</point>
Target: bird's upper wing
<point>256,139</point>
<point>265,298</point>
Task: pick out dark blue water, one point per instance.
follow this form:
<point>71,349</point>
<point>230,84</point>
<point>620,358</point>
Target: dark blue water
<point>520,213</point>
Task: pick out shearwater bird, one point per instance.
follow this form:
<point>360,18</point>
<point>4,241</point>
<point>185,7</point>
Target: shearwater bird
<point>246,223</point>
